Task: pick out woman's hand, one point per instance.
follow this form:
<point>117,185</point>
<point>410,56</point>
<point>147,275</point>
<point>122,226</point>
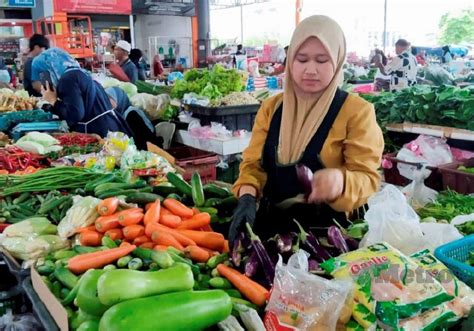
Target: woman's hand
<point>327,186</point>
<point>49,94</point>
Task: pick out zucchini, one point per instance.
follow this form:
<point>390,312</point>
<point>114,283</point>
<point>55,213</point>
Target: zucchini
<point>197,190</point>
<point>165,188</point>
<point>215,191</point>
<point>143,198</point>
<point>180,184</point>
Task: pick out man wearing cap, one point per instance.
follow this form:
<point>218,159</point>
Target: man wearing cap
<point>122,50</point>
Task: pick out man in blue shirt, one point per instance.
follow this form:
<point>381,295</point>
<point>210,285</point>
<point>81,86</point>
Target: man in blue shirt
<point>121,51</point>
<point>38,43</point>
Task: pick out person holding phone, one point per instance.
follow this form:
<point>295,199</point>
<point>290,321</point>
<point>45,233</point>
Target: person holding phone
<point>75,97</point>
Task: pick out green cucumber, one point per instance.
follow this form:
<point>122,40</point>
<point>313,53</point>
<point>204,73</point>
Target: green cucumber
<point>215,191</point>
<point>143,198</point>
<point>210,210</point>
<point>175,197</point>
<point>164,189</point>
<point>213,202</point>
<point>125,192</point>
<point>89,187</point>
<point>232,292</point>
<point>220,283</point>
<point>123,261</point>
<point>196,190</point>
<point>180,184</point>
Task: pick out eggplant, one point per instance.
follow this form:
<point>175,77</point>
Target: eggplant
<point>309,242</point>
<point>284,242</point>
<point>305,177</point>
<point>268,266</point>
<point>252,265</point>
<point>237,249</point>
<point>352,243</point>
<point>335,238</point>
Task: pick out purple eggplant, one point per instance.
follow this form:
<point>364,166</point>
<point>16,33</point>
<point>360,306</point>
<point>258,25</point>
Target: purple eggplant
<point>284,242</point>
<point>237,249</point>
<point>305,177</point>
<point>268,266</point>
<point>251,265</point>
<point>351,242</point>
<point>335,238</point>
<point>310,243</point>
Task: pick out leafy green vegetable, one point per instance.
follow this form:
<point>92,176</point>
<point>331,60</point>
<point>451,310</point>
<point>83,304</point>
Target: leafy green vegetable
<point>448,205</point>
<point>466,228</point>
<point>211,83</point>
<point>470,261</point>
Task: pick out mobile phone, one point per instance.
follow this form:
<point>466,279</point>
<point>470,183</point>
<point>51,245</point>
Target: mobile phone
<point>45,77</point>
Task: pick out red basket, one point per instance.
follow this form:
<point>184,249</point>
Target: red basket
<point>458,180</point>
<point>195,160</point>
<point>393,176</point>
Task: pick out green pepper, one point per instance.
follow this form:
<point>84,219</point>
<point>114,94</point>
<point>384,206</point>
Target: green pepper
<point>122,284</point>
<point>66,277</point>
<point>87,298</point>
<point>173,311</point>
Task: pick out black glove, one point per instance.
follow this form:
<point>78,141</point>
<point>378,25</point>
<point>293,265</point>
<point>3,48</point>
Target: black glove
<point>244,213</point>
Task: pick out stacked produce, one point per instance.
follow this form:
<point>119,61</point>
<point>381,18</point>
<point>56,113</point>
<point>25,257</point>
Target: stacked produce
<point>10,101</point>
<point>236,98</point>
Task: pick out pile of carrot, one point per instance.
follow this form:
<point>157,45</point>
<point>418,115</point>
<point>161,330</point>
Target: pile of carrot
<point>159,226</point>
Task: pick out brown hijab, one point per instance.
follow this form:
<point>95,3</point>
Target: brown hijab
<point>302,116</point>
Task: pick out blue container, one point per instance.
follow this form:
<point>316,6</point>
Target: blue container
<point>455,254</point>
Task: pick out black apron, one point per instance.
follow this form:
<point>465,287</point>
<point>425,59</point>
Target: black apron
<point>282,182</point>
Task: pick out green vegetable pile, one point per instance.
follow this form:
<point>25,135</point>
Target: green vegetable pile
<point>213,83</point>
<point>469,170</point>
<point>436,105</point>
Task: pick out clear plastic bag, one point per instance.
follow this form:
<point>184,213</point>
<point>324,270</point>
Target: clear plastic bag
<point>417,193</point>
<point>302,301</point>
<point>24,322</point>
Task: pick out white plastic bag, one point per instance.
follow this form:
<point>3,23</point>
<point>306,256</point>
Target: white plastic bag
<point>417,193</point>
<point>23,322</point>
<point>302,301</point>
<point>437,234</point>
<point>393,220</point>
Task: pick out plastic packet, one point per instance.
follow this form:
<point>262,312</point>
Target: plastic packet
<point>393,220</point>
<point>388,284</point>
<point>464,295</point>
<point>23,322</point>
<point>302,301</point>
<point>116,143</point>
<point>417,193</point>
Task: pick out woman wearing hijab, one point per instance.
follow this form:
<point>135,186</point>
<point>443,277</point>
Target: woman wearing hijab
<point>136,56</point>
<point>140,125</point>
<point>313,123</point>
<point>75,97</point>
<point>5,77</point>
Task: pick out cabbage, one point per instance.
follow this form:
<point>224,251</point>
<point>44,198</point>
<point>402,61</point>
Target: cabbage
<point>82,213</point>
<point>110,82</point>
<point>30,227</point>
<point>38,142</point>
<point>32,249</point>
<point>129,88</point>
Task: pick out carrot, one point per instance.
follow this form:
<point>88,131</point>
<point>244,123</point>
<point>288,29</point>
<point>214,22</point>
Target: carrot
<point>105,223</point>
<point>226,248</point>
<point>178,208</point>
<point>206,228</point>
<point>183,240</point>
<point>86,228</point>
<point>141,240</point>
<point>171,221</point>
<point>90,238</point>
<point>96,260</point>
<point>114,234</point>
<point>148,206</point>
<point>165,211</point>
<point>196,254</point>
<point>210,251</point>
<point>211,240</point>
<point>107,206</point>
<point>161,248</point>
<point>195,211</point>
<point>197,222</point>
<point>153,214</point>
<point>133,231</point>
<point>165,239</point>
<point>130,216</point>
<point>148,244</point>
<point>253,291</point>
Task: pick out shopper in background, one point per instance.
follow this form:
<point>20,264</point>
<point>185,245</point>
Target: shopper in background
<point>281,68</point>
<point>37,44</point>
<point>75,97</point>
<point>313,122</point>
<point>381,81</point>
<point>402,68</point>
<point>122,51</point>
<point>447,55</point>
<point>136,56</point>
<point>158,69</point>
<point>5,77</point>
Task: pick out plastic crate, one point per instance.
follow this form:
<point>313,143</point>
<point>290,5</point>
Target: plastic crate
<point>232,117</point>
<point>455,254</point>
<point>393,176</point>
<point>195,160</point>
<point>38,308</point>
<point>14,268</point>
<point>457,180</point>
<point>10,119</point>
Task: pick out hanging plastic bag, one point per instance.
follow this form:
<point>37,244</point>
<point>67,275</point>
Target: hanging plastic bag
<point>417,193</point>
<point>393,220</point>
<point>24,322</point>
<point>302,301</point>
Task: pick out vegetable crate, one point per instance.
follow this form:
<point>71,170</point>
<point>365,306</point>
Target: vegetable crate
<point>10,119</point>
<point>230,174</point>
<point>393,176</point>
<point>195,160</point>
<point>455,254</point>
<point>232,117</point>
<point>458,180</point>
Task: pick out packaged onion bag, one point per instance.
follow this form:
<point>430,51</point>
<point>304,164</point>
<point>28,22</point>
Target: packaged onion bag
<point>390,285</point>
<point>464,296</point>
<point>303,301</point>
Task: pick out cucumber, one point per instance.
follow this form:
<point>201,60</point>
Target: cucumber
<point>196,190</point>
<point>143,198</point>
<point>213,202</point>
<point>175,197</point>
<point>125,192</point>
<point>90,187</point>
<point>220,283</point>
<point>165,188</point>
<point>180,184</point>
<point>118,186</point>
<point>210,210</point>
<point>215,191</point>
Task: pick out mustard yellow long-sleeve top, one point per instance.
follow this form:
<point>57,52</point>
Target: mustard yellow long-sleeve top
<point>354,145</point>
